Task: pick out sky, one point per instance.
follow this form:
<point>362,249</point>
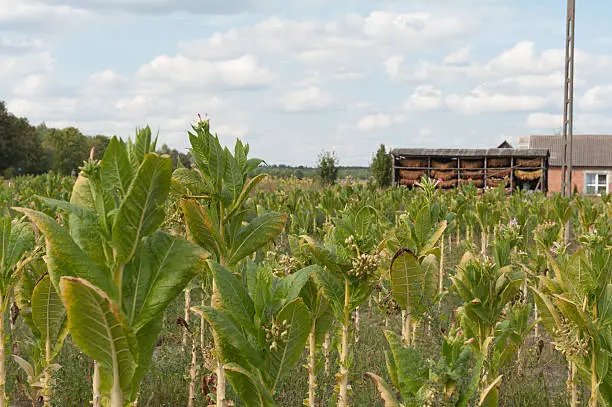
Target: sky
<point>294,78</point>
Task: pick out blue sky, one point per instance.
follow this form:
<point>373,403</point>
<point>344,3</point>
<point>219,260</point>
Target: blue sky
<point>296,77</point>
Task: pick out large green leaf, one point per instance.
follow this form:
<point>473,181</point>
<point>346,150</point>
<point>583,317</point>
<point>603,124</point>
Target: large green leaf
<point>604,307</point>
<point>410,369</point>
<point>386,394</point>
<point>48,312</point>
<point>364,219</point>
<point>146,338</point>
<point>333,290</point>
<point>85,228</point>
<point>423,225</point>
<point>233,296</point>
<point>435,237</point>
<point>248,386</point>
<point>65,257</point>
<point>15,240</point>
<point>167,266</point>
<point>142,212</point>
<point>98,327</point>
<point>406,279</point>
<point>237,205</point>
<point>200,227</point>
<point>229,338</point>
<point>255,235</point>
<point>288,352</point>
<point>216,162</point>
<point>232,178</point>
<point>191,180</point>
<point>116,171</point>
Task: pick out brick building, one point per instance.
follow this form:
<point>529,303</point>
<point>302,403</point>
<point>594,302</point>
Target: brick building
<point>592,161</point>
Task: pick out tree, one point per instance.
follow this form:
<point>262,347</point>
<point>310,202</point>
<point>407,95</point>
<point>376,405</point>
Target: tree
<point>382,166</point>
<point>68,148</point>
<point>178,159</point>
<point>19,145</point>
<point>328,167</point>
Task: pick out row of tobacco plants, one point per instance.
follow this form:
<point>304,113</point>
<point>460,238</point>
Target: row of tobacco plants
<point>284,277</point>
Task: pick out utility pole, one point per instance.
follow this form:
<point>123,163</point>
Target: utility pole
<point>568,102</point>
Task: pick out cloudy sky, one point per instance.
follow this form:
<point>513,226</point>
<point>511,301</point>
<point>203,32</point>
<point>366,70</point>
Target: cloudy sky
<point>295,77</point>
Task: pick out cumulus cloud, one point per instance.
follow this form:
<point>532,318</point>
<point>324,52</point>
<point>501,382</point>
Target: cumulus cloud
<point>310,99</point>
<point>597,98</point>
<point>379,121</point>
<point>425,97</point>
<point>480,102</point>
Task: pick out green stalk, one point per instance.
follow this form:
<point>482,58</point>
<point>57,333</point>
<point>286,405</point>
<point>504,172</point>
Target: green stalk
<point>46,384</point>
<point>4,402</point>
<point>97,399</point>
<point>192,373</point>
<point>116,395</point>
<point>312,360</point>
<point>343,373</point>
<point>573,385</point>
<point>220,371</point>
<point>186,316</point>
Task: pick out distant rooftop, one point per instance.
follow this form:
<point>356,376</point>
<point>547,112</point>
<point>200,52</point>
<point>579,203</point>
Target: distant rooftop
<point>588,150</point>
<point>470,152</point>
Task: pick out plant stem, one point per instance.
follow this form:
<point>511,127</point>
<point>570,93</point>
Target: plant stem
<point>407,328</point>
<point>357,325</point>
<point>312,360</point>
<point>46,384</point>
<point>203,326</point>
<point>3,399</point>
<point>192,372</point>
<point>573,385</point>
<point>97,400</point>
<point>441,277</point>
<point>326,344</point>
<point>343,373</point>
<point>186,316</point>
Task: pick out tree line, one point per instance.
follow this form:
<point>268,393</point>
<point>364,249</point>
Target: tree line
<point>28,149</point>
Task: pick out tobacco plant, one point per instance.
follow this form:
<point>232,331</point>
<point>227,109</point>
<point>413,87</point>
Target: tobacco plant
<point>16,240</point>
<point>215,212</point>
<point>351,257</point>
<point>44,314</point>
<point>260,330</point>
<point>113,269</point>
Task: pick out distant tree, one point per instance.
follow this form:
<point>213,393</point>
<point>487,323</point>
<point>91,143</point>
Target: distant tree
<point>382,166</point>
<point>327,168</point>
<point>20,148</point>
<point>299,174</point>
<point>68,148</point>
<point>175,156</point>
<point>99,143</point>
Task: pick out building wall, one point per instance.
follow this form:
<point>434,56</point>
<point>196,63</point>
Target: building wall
<point>578,178</point>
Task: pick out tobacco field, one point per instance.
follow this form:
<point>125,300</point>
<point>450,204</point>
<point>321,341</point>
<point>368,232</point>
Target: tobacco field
<point>137,285</point>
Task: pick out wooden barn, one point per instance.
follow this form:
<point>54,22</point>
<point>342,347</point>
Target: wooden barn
<point>511,167</point>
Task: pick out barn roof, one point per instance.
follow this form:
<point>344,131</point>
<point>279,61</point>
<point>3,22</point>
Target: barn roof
<point>588,150</point>
<point>470,152</point>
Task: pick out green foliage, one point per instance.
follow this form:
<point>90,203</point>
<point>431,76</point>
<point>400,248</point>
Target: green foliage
<point>115,272</point>
<point>382,166</point>
<point>327,167</point>
<point>260,330</point>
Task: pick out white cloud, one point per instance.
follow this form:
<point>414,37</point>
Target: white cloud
<point>479,102</point>
<point>242,72</point>
<point>425,97</point>
<point>597,98</point>
<point>379,121</point>
<point>544,121</point>
<point>310,99</point>
<point>460,57</point>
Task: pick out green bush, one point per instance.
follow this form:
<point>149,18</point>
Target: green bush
<point>327,168</point>
<point>382,166</point>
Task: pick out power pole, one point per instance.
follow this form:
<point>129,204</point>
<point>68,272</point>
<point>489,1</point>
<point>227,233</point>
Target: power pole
<point>568,103</point>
